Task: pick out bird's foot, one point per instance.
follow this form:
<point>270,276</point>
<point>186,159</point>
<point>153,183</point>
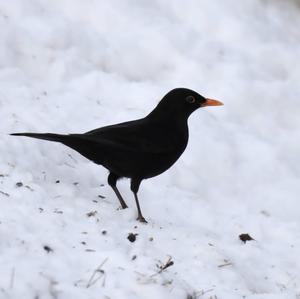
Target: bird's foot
<point>142,219</point>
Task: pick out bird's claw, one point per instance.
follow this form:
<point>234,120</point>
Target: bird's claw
<point>142,219</point>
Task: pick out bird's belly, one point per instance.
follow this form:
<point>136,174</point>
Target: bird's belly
<point>158,165</point>
<point>141,165</point>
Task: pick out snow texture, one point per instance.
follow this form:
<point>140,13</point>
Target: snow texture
<point>72,66</point>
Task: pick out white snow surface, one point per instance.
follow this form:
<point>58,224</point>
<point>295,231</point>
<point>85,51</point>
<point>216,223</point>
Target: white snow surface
<point>72,66</point>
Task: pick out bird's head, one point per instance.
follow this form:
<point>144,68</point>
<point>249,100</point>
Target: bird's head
<point>182,102</point>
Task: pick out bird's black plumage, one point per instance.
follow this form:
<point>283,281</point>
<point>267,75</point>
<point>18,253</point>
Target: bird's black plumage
<point>138,149</point>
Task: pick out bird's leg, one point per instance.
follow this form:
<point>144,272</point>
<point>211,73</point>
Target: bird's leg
<point>140,216</point>
<point>112,181</point>
<point>135,184</point>
<point>122,202</point>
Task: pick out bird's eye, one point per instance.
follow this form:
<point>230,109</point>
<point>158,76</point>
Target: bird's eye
<point>190,99</point>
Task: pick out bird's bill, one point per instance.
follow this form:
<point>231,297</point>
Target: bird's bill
<point>211,102</point>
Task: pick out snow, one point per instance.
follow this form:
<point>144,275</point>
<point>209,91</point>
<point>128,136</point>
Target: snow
<point>72,66</point>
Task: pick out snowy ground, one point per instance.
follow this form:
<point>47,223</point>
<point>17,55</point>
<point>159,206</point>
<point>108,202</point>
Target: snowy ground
<point>72,66</point>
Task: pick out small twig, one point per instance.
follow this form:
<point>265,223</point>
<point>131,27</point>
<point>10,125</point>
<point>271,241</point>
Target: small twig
<point>4,193</point>
<point>90,250</point>
<point>103,282</point>
<point>168,264</point>
<point>92,279</point>
<point>92,213</point>
<point>164,266</point>
<point>12,278</point>
<point>29,188</point>
<point>224,265</point>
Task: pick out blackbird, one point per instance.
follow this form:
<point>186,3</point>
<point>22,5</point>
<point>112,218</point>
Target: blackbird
<point>138,149</point>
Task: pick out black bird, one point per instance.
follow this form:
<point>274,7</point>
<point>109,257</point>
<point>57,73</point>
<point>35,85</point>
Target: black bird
<point>138,149</point>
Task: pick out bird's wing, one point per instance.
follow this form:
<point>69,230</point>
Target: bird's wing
<point>133,136</point>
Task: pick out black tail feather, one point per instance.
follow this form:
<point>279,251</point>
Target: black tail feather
<point>84,144</point>
<point>44,136</point>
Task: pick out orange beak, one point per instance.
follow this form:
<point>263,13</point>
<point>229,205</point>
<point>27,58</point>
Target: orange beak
<point>211,102</point>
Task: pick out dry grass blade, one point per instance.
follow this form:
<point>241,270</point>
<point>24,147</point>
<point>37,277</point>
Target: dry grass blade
<point>93,279</point>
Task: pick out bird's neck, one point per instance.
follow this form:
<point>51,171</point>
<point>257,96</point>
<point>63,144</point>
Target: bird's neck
<point>164,113</point>
<point>174,123</point>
